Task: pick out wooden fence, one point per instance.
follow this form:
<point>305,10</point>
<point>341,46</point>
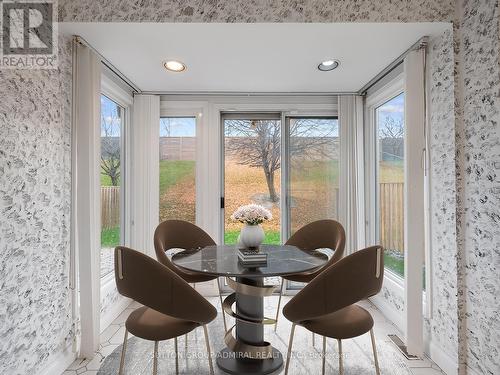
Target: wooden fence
<point>391,212</point>
<point>392,216</point>
<point>110,207</point>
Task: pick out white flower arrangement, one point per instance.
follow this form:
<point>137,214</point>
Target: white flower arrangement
<point>252,214</point>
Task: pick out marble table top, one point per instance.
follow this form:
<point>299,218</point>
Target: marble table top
<point>223,261</point>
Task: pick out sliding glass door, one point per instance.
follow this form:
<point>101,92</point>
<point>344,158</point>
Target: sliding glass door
<point>313,177</point>
<point>257,152</point>
<point>252,169</point>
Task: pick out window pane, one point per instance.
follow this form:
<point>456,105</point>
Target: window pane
<point>252,161</point>
<point>390,132</point>
<point>178,168</point>
<point>314,170</point>
<point>111,168</point>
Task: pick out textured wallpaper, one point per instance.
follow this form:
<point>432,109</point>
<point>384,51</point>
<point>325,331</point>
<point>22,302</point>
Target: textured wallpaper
<point>479,183</point>
<point>35,187</point>
<point>256,11</point>
<point>443,319</point>
<point>35,310</point>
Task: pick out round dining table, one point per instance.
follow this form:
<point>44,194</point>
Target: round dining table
<point>246,351</point>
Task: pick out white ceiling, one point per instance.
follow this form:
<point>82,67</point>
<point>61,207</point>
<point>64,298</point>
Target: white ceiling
<point>268,57</point>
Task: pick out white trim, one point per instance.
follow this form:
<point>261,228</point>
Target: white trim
<point>59,362</point>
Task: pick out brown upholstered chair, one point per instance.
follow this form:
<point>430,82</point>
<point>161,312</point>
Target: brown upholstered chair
<point>319,234</point>
<point>168,303</point>
<point>179,234</point>
<point>327,305</point>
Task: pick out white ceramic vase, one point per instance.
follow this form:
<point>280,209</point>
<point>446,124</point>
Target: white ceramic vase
<point>251,236</point>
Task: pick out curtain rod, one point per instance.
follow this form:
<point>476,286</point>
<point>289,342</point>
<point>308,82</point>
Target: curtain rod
<point>108,64</point>
<point>421,43</point>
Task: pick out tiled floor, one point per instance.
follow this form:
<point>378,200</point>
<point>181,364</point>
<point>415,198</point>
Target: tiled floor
<point>357,356</point>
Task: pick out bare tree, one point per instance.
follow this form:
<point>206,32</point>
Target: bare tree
<point>110,147</point>
<point>392,133</point>
<point>257,143</point>
<point>167,126</point>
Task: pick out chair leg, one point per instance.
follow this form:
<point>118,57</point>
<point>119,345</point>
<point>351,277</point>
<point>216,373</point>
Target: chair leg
<point>377,368</point>
<point>314,341</point>
<point>324,355</point>
<point>279,304</point>
<point>341,365</point>
<point>176,356</point>
<point>289,349</point>
<point>209,353</point>
<point>186,342</point>
<point>155,359</point>
<point>220,297</point>
<point>124,349</point>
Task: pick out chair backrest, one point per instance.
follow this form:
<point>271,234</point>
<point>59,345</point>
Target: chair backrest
<point>350,280</point>
<point>321,234</point>
<point>172,234</point>
<point>147,281</point>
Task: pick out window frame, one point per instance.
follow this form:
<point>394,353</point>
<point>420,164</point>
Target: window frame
<point>197,118</point>
<point>252,115</point>
<point>286,109</point>
<point>386,93</point>
<point>195,110</point>
<point>124,99</point>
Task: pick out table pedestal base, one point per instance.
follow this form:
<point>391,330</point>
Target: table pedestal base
<point>248,353</point>
<point>228,362</point>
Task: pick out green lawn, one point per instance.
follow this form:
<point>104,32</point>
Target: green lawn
<point>272,238</point>
<point>396,265</point>
<point>105,180</point>
<point>172,171</point>
<point>110,237</point>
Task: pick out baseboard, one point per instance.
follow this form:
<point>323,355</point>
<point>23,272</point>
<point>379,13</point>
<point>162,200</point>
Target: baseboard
<point>443,359</point>
<point>114,312</point>
<point>58,363</point>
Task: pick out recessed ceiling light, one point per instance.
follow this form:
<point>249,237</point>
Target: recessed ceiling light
<point>174,66</point>
<point>328,65</point>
